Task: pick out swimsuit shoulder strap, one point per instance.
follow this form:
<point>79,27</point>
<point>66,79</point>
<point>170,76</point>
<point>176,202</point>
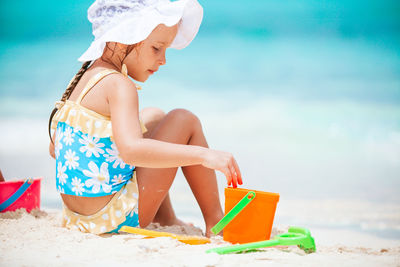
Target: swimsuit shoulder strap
<point>93,81</point>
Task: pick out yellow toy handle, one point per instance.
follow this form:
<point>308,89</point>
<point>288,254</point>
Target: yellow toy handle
<point>191,240</point>
<point>149,233</point>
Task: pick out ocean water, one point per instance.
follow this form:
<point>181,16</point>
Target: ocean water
<point>305,94</point>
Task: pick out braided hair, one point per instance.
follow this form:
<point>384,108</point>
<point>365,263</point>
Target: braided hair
<point>69,91</point>
<point>83,69</point>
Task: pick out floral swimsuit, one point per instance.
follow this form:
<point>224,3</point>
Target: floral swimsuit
<point>88,164</point>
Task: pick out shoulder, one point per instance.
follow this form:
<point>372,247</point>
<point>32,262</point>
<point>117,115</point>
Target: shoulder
<point>118,80</point>
<point>121,92</point>
<point>118,84</point>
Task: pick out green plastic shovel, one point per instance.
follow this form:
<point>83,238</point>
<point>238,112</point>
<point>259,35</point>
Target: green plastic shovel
<point>295,236</point>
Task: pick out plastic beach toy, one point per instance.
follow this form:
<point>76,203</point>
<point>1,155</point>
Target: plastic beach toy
<point>249,215</point>
<point>233,212</point>
<point>191,240</point>
<point>295,236</point>
<point>20,194</point>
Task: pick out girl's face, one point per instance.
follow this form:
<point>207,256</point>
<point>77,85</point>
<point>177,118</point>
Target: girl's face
<point>149,55</point>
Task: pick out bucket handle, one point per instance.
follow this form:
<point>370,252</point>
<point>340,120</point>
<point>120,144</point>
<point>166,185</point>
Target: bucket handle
<point>233,212</point>
<point>17,194</point>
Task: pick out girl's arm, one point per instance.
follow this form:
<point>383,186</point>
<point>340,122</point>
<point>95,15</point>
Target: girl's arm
<point>143,152</point>
<point>51,147</point>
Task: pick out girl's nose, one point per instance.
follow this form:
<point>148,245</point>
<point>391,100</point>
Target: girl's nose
<point>163,60</point>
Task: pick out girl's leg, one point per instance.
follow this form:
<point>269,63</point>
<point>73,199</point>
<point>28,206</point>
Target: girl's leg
<point>182,127</point>
<point>203,183</point>
<point>165,215</point>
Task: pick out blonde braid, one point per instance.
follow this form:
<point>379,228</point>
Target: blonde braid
<point>69,91</point>
<point>75,81</point>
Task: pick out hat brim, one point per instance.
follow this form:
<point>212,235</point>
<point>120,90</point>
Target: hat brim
<point>136,29</point>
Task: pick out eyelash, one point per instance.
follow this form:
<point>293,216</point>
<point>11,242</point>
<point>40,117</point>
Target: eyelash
<point>156,49</point>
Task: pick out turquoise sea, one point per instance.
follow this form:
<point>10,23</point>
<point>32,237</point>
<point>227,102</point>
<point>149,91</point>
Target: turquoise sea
<point>305,94</point>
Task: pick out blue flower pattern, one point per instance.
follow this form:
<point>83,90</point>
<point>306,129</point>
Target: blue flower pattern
<point>94,166</point>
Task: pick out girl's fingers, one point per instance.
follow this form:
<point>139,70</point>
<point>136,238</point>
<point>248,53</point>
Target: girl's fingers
<point>239,174</point>
<point>228,177</point>
<point>233,175</point>
<point>234,183</point>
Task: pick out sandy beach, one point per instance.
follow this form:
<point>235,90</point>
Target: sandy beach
<point>37,239</point>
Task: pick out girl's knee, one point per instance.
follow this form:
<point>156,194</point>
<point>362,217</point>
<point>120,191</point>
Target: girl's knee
<point>185,117</point>
<point>150,117</point>
<point>152,114</point>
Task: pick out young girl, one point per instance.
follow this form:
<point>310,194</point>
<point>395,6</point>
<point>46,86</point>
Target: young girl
<point>114,164</point>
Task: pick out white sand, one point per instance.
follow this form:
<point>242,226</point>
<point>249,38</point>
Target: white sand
<point>38,240</point>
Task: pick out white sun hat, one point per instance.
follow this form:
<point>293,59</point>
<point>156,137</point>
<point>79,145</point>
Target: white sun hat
<point>131,21</point>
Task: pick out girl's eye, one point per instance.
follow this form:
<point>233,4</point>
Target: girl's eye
<point>156,49</point>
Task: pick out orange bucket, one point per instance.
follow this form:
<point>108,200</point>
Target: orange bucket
<point>254,222</point>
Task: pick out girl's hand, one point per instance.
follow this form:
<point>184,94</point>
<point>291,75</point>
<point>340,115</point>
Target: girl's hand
<point>225,163</point>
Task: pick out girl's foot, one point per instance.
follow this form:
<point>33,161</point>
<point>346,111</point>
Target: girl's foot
<point>170,221</point>
<point>182,223</point>
<point>176,227</point>
<point>211,223</point>
<point>209,233</point>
